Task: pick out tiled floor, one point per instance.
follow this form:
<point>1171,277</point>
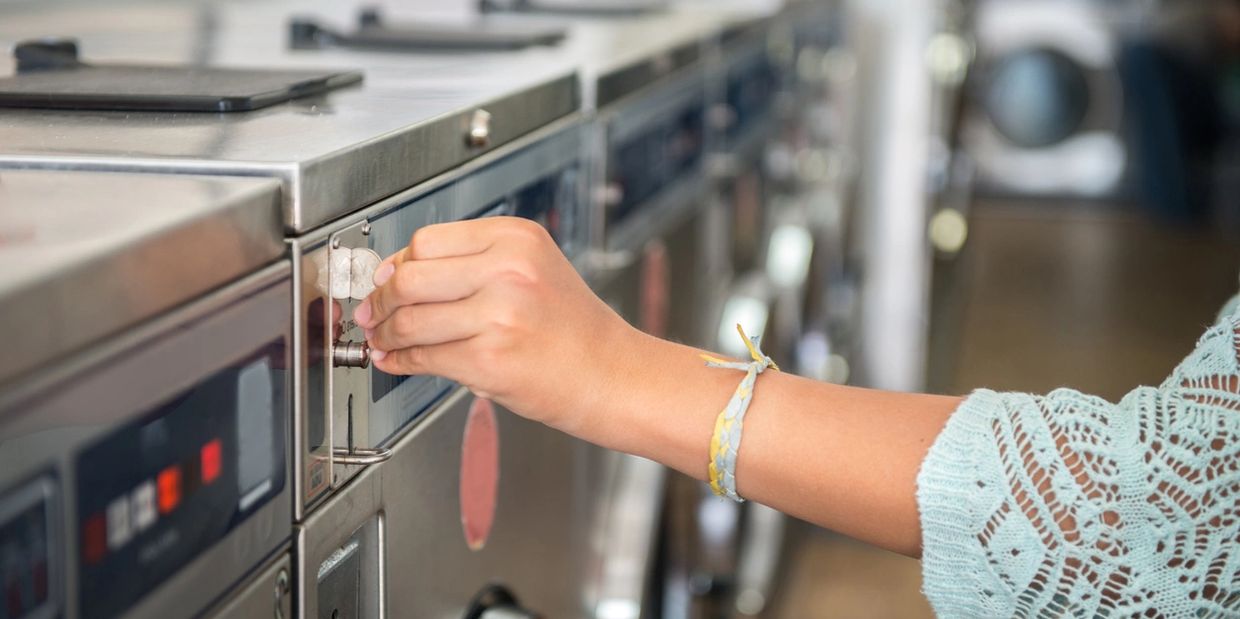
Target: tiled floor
<point>1045,296</point>
<point>1052,295</point>
<point>833,577</point>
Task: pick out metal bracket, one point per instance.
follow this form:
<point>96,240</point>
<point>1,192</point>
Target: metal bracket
<point>361,456</point>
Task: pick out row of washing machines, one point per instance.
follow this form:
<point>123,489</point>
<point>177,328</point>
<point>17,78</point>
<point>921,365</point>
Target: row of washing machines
<point>192,200</point>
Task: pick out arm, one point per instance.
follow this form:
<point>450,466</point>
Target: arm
<point>494,305</point>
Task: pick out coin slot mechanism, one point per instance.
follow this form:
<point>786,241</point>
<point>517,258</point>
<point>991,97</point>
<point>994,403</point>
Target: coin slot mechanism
<point>348,581</point>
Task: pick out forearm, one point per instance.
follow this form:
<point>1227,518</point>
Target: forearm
<point>841,457</point>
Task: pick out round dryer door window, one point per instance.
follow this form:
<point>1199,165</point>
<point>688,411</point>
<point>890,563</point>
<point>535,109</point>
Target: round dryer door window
<point>1037,97</point>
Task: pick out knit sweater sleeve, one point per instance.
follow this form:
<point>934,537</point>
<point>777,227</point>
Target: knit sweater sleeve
<point>1066,505</point>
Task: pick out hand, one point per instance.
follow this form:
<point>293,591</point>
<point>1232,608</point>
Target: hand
<point>494,305</point>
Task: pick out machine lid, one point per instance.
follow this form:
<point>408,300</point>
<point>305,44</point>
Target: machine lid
<point>414,117</point>
<point>51,75</point>
<point>622,81</point>
<point>476,34</point>
<point>576,7</point>
<point>91,254</point>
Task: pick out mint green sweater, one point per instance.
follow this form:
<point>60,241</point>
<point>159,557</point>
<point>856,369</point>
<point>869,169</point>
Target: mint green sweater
<point>1066,505</point>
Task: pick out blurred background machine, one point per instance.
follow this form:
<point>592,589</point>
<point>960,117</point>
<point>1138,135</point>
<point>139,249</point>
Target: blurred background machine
<point>1046,108</point>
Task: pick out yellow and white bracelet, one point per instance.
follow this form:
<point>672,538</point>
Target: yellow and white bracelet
<point>725,444</point>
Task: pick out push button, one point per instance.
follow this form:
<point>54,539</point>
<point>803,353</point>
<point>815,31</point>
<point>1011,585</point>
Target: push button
<point>169,482</point>
<point>94,539</point>
<point>119,530</point>
<point>142,506</point>
<point>211,461</point>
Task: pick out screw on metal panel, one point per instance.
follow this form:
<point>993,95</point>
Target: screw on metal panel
<point>479,129</point>
<point>366,228</point>
<point>336,243</point>
<point>281,591</point>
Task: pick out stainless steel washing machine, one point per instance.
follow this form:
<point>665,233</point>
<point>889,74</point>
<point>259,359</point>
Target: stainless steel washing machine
<point>145,402</point>
<point>645,91</point>
<point>334,154</point>
<point>647,97</point>
<point>707,536</point>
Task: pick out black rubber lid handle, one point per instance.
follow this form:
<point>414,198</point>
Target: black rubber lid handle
<point>46,55</point>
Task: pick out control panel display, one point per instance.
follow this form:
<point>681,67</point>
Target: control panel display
<point>750,94</point>
<point>154,494</point>
<point>646,164</point>
<point>552,202</point>
<point>25,553</point>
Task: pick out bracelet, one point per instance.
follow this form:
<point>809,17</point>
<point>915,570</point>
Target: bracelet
<point>725,443</point>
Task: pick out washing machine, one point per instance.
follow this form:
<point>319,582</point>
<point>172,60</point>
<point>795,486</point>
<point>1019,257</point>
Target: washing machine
<point>145,434</point>
<point>1045,103</point>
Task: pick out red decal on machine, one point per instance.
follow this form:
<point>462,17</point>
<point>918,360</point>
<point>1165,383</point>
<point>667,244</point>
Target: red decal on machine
<point>655,289</point>
<point>479,473</point>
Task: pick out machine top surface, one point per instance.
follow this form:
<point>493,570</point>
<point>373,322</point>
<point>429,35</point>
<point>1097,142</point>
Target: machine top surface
<point>619,55</point>
<point>135,246</point>
<point>413,116</point>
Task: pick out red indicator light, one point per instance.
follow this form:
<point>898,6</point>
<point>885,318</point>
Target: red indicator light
<point>94,539</point>
<point>210,461</point>
<point>169,482</point>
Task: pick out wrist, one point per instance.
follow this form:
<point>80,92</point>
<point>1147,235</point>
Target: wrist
<point>653,398</point>
<point>604,379</point>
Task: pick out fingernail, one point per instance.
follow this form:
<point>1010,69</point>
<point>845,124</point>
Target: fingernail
<point>361,313</point>
<point>377,355</point>
<point>384,273</point>
<point>370,334</point>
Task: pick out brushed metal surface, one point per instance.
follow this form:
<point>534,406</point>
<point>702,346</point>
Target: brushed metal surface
<point>45,424</point>
<point>91,254</point>
<point>335,153</point>
<point>330,397</point>
<point>540,547</point>
<point>267,595</point>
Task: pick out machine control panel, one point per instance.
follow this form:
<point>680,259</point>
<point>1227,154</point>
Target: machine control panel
<point>352,412</point>
<point>642,165</point>
<point>750,94</point>
<point>155,493</point>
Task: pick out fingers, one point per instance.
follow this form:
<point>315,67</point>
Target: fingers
<point>424,281</point>
<point>450,360</point>
<point>457,238</point>
<point>337,319</point>
<point>427,324</point>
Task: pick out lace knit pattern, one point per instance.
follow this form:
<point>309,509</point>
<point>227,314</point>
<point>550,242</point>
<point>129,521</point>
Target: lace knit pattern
<point>1066,505</point>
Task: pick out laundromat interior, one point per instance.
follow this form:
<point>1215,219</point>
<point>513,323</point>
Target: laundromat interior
<point>204,202</point>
